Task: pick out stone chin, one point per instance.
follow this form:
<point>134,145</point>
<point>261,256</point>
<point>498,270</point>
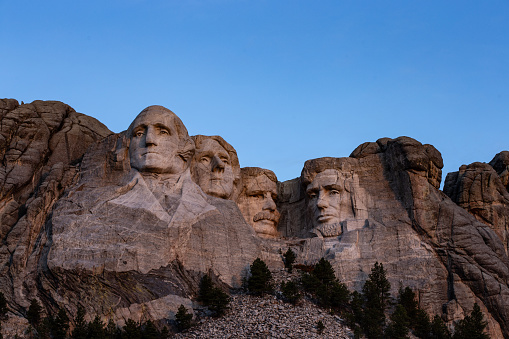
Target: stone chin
<point>265,228</point>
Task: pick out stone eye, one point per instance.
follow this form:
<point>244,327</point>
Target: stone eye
<point>205,160</point>
<point>139,133</point>
<point>334,192</point>
<point>312,195</point>
<point>164,131</point>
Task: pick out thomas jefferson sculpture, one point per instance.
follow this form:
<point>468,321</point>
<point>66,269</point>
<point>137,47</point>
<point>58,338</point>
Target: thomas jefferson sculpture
<point>215,166</point>
<point>257,200</point>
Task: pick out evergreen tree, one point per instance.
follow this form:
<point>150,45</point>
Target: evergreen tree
<point>355,316</point>
<point>34,313</point>
<point>422,324</point>
<point>260,281</point>
<point>165,333</point>
<point>3,305</point>
<point>131,330</point>
<point>290,291</point>
<point>399,326</point>
<point>289,259</point>
<point>438,329</point>
<point>213,297</point>
<point>60,325</point>
<point>219,302</point>
<point>324,272</point>
<point>320,327</point>
<point>376,297</point>
<point>96,329</point>
<point>206,287</point>
<point>406,298</point>
<point>149,331</point>
<point>183,318</point>
<point>112,331</point>
<point>45,326</point>
<point>310,282</point>
<point>472,326</point>
<point>80,325</point>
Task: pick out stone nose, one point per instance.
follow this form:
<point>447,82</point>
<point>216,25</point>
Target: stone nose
<point>322,201</point>
<point>150,137</point>
<point>217,164</point>
<point>268,203</point>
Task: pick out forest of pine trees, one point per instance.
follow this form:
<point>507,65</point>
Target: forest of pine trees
<point>366,312</point>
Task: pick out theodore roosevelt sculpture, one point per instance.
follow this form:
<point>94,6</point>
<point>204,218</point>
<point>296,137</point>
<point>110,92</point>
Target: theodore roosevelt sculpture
<point>257,200</point>
<point>215,166</point>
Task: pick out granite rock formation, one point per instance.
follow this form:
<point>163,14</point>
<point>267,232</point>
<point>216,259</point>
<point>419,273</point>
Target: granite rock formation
<point>126,224</point>
<point>482,191</point>
<point>215,166</point>
<point>257,200</point>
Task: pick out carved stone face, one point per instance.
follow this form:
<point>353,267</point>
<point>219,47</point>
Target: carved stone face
<point>154,142</point>
<point>324,201</point>
<point>212,169</point>
<point>257,205</point>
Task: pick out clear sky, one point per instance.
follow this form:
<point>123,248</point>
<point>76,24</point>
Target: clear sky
<point>282,81</point>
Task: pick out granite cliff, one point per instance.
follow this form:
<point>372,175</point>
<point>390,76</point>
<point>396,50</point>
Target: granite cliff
<point>126,224</point>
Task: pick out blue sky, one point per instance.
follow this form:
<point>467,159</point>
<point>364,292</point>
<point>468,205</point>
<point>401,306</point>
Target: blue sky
<point>282,81</point>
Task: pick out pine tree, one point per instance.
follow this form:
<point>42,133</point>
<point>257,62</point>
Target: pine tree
<point>183,318</point>
<point>3,305</point>
<point>60,325</point>
<point>213,297</point>
<point>406,298</point>
<point>376,297</point>
<point>472,326</point>
<point>165,333</point>
<point>206,287</point>
<point>112,331</point>
<point>96,329</point>
<point>320,327</point>
<point>260,281</point>
<point>399,326</point>
<point>289,259</point>
<point>131,330</point>
<point>421,324</point>
<point>324,272</point>
<point>355,316</point>
<point>149,331</point>
<point>290,291</point>
<point>80,325</point>
<point>219,302</point>
<point>34,313</point>
<point>439,329</point>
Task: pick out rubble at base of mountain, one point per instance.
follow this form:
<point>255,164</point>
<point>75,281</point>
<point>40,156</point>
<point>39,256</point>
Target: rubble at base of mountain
<point>269,317</point>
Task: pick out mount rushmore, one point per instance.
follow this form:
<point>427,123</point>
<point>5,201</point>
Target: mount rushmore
<point>125,224</point>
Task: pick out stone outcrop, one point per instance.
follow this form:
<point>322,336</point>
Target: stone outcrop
<point>42,144</point>
<point>124,225</point>
<point>480,190</point>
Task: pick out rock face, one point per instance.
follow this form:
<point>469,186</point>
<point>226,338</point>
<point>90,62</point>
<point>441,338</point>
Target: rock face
<point>128,226</point>
<point>42,144</point>
<point>482,191</point>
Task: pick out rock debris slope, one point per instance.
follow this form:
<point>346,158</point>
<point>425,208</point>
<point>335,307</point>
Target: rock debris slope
<point>121,224</point>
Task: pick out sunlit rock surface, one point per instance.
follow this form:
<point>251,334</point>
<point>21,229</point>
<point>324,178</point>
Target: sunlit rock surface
<point>126,224</point>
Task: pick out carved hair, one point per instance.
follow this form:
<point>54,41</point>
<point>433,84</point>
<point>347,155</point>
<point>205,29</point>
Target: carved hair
<point>315,166</point>
<point>256,171</point>
<point>198,139</point>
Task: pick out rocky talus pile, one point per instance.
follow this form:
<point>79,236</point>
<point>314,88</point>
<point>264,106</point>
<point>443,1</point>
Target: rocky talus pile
<point>270,317</point>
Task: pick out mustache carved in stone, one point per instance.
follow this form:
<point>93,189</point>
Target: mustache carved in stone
<point>267,215</point>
